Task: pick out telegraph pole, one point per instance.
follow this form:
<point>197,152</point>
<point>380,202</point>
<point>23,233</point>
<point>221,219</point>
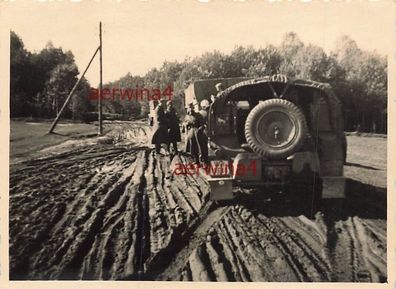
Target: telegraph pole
<point>100,131</point>
<point>71,93</point>
<point>99,49</point>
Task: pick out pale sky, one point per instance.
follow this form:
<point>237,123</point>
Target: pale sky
<point>139,35</point>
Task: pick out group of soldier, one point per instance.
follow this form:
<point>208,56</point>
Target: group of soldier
<point>166,130</point>
<point>165,125</point>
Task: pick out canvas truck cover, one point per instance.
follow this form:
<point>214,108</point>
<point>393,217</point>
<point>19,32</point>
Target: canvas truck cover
<point>334,103</point>
<point>203,89</point>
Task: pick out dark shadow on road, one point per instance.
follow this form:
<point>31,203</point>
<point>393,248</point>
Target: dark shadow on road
<point>361,200</point>
<point>361,166</point>
<point>75,135</point>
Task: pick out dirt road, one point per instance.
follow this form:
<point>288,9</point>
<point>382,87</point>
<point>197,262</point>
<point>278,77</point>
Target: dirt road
<point>109,209</point>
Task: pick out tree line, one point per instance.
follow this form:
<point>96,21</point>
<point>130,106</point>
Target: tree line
<point>41,81</point>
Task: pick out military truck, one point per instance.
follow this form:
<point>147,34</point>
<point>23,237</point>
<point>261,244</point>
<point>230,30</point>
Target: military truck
<point>275,133</point>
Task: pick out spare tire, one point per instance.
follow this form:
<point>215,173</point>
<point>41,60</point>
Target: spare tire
<point>275,128</point>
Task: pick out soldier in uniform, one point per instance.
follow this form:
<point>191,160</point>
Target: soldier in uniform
<point>160,128</point>
<point>192,122</point>
<point>173,126</point>
<point>219,89</point>
<point>152,106</point>
<point>202,135</point>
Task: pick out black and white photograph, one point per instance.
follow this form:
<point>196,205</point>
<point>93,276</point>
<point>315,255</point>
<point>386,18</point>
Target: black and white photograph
<point>217,141</point>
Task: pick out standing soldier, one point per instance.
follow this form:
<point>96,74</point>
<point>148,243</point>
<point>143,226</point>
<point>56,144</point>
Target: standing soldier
<point>192,123</point>
<point>202,135</point>
<point>160,128</point>
<point>173,128</point>
<point>219,90</point>
<point>152,106</point>
<point>215,104</point>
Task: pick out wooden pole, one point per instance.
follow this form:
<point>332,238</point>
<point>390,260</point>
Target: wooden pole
<point>100,84</point>
<point>71,93</point>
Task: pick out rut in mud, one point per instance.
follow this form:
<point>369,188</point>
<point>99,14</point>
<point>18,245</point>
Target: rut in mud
<point>114,210</point>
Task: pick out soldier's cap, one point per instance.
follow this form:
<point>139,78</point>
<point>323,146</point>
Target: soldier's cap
<point>219,86</point>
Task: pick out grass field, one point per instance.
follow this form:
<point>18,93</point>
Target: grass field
<point>29,137</point>
<point>366,160</point>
